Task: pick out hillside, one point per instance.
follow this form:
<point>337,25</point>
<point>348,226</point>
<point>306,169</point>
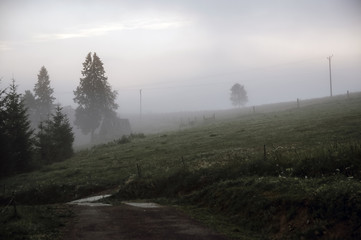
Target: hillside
<point>291,171</point>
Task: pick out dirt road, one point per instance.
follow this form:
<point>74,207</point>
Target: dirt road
<point>134,222</point>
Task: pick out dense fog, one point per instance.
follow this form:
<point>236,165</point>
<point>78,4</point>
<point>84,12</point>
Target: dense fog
<point>184,56</point>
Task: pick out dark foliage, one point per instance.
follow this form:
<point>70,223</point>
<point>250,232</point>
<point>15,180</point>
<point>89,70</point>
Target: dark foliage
<point>94,96</point>
<point>31,106</point>
<point>43,94</point>
<point>16,134</point>
<point>55,138</point>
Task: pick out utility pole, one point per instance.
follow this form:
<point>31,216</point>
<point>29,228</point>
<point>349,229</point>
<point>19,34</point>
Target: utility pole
<point>329,65</point>
<point>140,103</point>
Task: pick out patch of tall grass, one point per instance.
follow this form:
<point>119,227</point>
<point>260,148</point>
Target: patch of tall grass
<point>41,222</point>
<point>300,195</point>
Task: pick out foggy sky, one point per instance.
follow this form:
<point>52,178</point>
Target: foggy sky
<point>185,55</point>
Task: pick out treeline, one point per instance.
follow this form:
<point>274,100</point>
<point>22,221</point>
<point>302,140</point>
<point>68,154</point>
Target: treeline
<point>33,130</point>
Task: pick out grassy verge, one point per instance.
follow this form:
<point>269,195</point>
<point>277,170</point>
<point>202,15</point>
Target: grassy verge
<point>263,207</point>
<point>287,208</point>
<point>268,198</point>
<point>41,222</point>
<point>219,222</point>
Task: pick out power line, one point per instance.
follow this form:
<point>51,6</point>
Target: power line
<point>158,85</point>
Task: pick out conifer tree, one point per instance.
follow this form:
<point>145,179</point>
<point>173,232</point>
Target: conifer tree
<point>43,94</point>
<point>94,96</point>
<point>62,135</point>
<point>16,132</point>
<point>43,143</point>
<point>32,108</point>
<point>29,99</point>
<point>55,138</point>
<point>5,146</point>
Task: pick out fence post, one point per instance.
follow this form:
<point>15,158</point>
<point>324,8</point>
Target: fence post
<point>264,152</point>
<point>298,103</point>
<point>139,171</point>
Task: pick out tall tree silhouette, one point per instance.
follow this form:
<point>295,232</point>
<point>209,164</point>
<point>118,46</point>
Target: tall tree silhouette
<point>94,96</point>
<point>4,135</point>
<point>43,95</point>
<point>55,138</point>
<point>16,132</point>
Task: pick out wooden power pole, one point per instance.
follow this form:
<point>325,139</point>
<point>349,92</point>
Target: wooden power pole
<point>140,103</point>
<point>329,65</point>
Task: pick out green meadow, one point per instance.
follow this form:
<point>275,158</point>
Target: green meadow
<point>282,171</point>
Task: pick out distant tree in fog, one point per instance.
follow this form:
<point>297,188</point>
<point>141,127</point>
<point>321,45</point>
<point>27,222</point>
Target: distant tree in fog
<point>29,99</point>
<point>54,140</point>
<point>94,95</point>
<point>43,95</point>
<point>31,106</point>
<point>238,95</point>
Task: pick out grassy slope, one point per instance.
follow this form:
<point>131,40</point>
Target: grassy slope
<point>288,132</point>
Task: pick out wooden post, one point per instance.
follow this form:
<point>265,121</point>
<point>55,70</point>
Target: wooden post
<point>298,103</point>
<point>264,152</point>
<point>139,171</point>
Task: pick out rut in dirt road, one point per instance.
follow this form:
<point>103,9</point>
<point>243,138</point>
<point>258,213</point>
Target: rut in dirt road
<point>131,222</point>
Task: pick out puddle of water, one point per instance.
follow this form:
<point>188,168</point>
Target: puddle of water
<point>90,204</point>
<point>142,205</point>
<point>90,201</point>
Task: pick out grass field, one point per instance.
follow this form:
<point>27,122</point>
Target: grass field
<point>292,172</point>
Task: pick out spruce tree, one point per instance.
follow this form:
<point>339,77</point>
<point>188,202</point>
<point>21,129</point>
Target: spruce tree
<point>55,138</point>
<point>93,95</point>
<point>4,135</point>
<point>32,108</point>
<point>43,143</point>
<point>43,94</point>
<point>17,132</point>
<point>62,135</point>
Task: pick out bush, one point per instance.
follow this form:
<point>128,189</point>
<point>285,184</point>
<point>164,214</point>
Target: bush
<point>123,140</point>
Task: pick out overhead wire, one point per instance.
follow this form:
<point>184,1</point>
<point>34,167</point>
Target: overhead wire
<point>153,86</point>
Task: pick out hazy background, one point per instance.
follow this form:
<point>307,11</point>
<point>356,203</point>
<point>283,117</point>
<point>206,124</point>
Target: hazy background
<point>185,55</point>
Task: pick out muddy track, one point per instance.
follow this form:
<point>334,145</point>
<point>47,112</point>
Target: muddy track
<point>130,222</point>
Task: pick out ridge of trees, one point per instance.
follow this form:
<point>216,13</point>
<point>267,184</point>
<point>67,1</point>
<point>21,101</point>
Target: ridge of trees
<point>22,144</point>
<point>35,132</point>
